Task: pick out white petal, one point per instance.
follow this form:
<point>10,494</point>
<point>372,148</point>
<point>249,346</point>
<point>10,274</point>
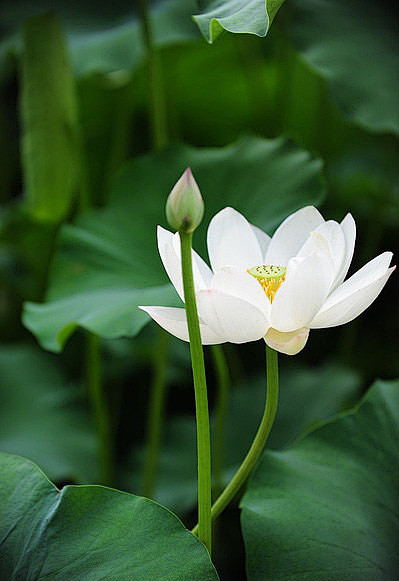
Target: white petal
<point>301,295</point>
<point>201,272</point>
<point>328,238</point>
<point>352,297</point>
<point>363,277</point>
<point>170,259</point>
<point>349,229</point>
<point>232,241</point>
<point>169,250</point>
<point>174,321</point>
<point>263,239</point>
<point>232,281</point>
<point>232,318</point>
<point>288,343</point>
<point>292,234</point>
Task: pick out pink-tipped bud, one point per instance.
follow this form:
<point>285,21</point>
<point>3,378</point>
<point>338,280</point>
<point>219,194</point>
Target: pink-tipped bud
<point>185,206</point>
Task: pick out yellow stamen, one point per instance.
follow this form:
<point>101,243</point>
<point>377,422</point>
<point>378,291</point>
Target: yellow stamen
<point>270,278</point>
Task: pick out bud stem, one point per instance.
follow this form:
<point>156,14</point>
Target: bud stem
<point>204,528</point>
<point>259,441</point>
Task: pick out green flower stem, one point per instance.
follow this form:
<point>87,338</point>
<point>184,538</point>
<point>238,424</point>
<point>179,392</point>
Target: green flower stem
<point>204,529</point>
<point>157,104</point>
<point>259,441</point>
<point>100,407</point>
<point>223,384</point>
<point>156,412</point>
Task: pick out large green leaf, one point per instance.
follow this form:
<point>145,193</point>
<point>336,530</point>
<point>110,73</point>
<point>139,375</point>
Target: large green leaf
<point>49,120</point>
<point>251,17</point>
<point>121,47</point>
<point>327,509</point>
<point>103,37</point>
<point>41,416</point>
<point>107,262</point>
<point>353,44</point>
<point>308,395</point>
<point>90,532</point>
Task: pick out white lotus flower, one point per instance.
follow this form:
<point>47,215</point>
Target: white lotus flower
<point>273,288</point>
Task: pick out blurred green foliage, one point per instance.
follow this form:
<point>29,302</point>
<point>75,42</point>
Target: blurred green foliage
<point>50,144</point>
<point>305,115</point>
<point>43,416</point>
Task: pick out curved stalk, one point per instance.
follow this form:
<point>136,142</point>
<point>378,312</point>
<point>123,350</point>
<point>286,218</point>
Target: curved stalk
<point>204,528</point>
<point>223,384</point>
<point>259,441</point>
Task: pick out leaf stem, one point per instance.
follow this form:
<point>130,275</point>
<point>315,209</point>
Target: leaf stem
<point>99,406</point>
<point>156,411</point>
<point>159,137</point>
<point>157,105</point>
<point>93,364</point>
<point>223,384</point>
<point>204,529</point>
<point>259,441</point>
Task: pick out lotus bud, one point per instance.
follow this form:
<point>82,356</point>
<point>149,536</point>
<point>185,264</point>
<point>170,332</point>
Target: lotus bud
<point>185,206</point>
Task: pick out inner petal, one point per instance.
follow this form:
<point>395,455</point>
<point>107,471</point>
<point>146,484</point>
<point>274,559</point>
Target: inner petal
<point>329,239</point>
<point>232,241</point>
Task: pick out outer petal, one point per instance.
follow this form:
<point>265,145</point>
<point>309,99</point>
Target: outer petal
<point>348,226</point>
<point>170,260</point>
<point>288,343</point>
<point>174,321</point>
<point>301,295</point>
<point>169,250</point>
<point>292,234</point>
<point>370,272</point>
<point>232,281</point>
<point>263,239</point>
<point>232,241</point>
<point>356,294</point>
<point>232,318</point>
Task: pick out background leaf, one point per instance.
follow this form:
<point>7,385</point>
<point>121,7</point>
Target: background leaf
<point>49,120</point>
<point>107,263</point>
<point>353,45</point>
<point>103,37</point>
<point>42,416</point>
<point>90,532</point>
<point>251,17</point>
<point>327,509</point>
